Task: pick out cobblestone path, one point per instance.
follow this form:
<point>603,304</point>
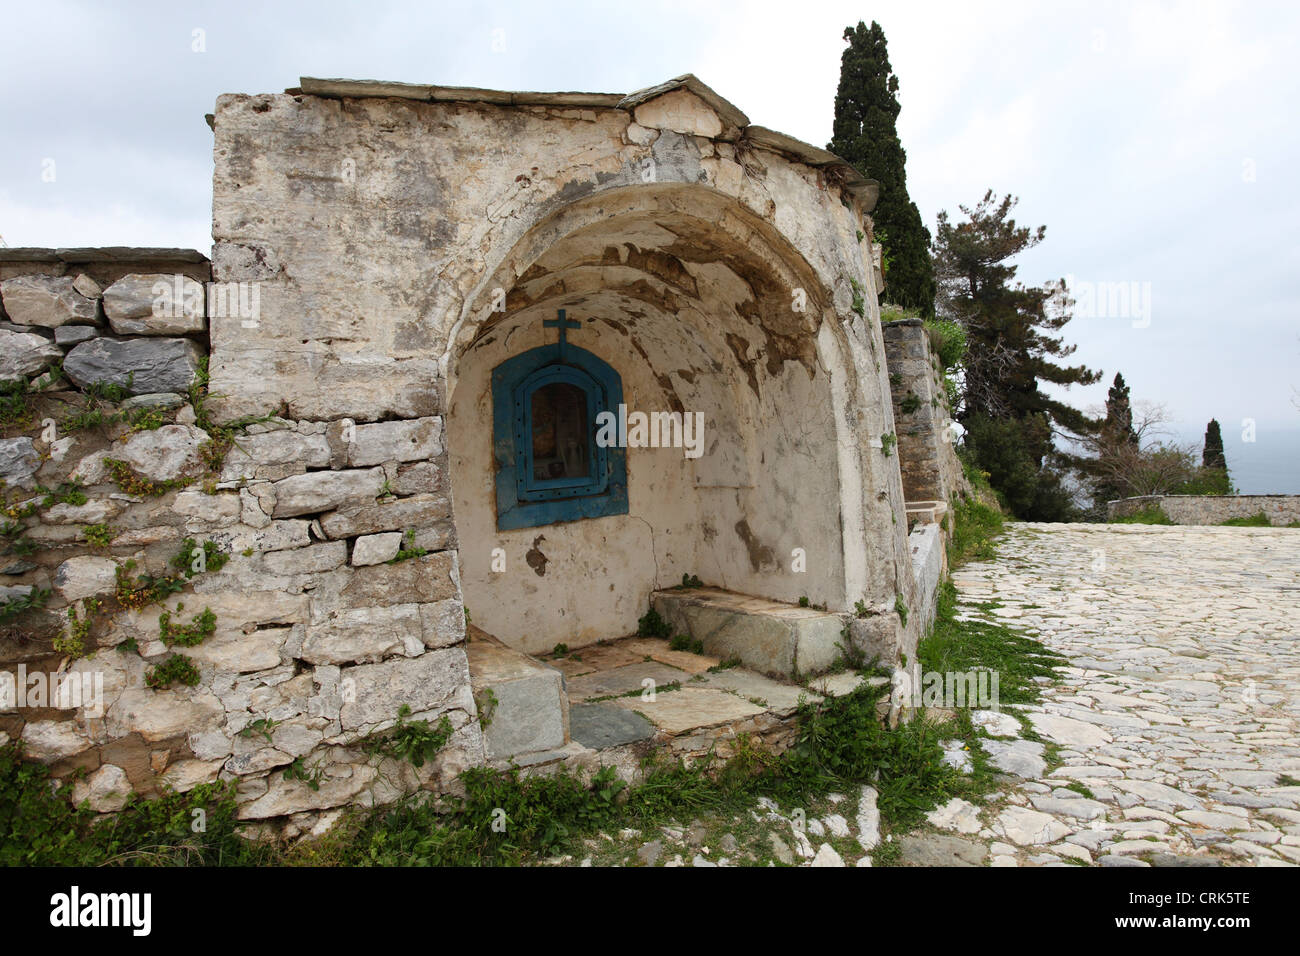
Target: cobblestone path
<point>1177,720</point>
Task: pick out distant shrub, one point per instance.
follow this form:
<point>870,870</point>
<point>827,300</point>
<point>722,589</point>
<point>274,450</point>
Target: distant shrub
<point>948,340</point>
<point>1152,515</point>
<point>1257,520</point>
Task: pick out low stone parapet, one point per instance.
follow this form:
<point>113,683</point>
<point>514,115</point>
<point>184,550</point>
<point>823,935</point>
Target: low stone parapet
<point>1281,510</point>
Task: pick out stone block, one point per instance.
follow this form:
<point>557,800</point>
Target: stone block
<point>771,638</point>
<point>411,440</point>
<point>442,623</point>
<point>326,491</point>
<point>231,651</point>
<point>85,576</point>
<point>531,711</point>
<point>19,461</point>
<point>69,335</point>
<point>390,514</point>
<point>926,546</point>
<point>23,354</point>
<point>105,790</point>
<point>376,548</point>
<point>313,559</point>
<point>148,365</point>
<point>159,714</point>
<point>145,304</point>
<point>414,581</point>
<point>364,634</point>
<point>47,301</point>
<point>274,455</point>
<point>434,681</point>
<point>51,740</point>
<point>164,454</point>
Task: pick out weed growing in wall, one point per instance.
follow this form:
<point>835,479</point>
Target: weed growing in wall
<point>33,600</point>
<point>97,535</point>
<point>409,549</point>
<point>42,827</point>
<point>176,669</point>
<point>414,741</point>
<point>651,624</point>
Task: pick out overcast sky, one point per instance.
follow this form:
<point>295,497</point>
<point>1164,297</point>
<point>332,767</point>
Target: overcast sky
<point>1156,141</point>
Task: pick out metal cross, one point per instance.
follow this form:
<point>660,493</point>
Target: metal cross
<point>563,325</point>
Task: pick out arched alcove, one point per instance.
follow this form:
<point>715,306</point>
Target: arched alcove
<point>702,310</point>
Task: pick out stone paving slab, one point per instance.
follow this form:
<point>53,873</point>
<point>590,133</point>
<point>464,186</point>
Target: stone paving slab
<point>630,650</point>
<point>678,712</point>
<point>571,667</point>
<point>659,650</point>
<point>597,657</point>
<point>781,698</point>
<point>604,725</point>
<point>623,680</point>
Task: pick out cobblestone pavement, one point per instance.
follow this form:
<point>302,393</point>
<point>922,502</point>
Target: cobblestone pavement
<point>1176,722</point>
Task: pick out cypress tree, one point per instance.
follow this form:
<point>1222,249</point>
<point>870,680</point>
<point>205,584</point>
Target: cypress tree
<point>1118,426</point>
<point>1115,440</point>
<point>1212,455</point>
<point>866,135</point>
<point>1214,478</point>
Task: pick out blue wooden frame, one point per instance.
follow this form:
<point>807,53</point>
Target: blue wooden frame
<point>524,501</point>
<point>528,486</point>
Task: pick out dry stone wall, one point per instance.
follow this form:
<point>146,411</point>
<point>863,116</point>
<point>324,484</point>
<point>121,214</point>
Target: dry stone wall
<point>297,579</point>
<point>1281,510</point>
<point>929,464</point>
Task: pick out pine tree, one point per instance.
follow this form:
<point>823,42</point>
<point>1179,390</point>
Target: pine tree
<point>1010,422</point>
<point>866,135</point>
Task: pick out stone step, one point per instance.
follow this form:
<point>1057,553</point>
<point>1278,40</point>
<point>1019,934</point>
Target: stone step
<point>531,713</point>
<point>780,640</point>
<point>926,512</point>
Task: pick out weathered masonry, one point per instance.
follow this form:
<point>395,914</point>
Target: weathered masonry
<point>422,302</point>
